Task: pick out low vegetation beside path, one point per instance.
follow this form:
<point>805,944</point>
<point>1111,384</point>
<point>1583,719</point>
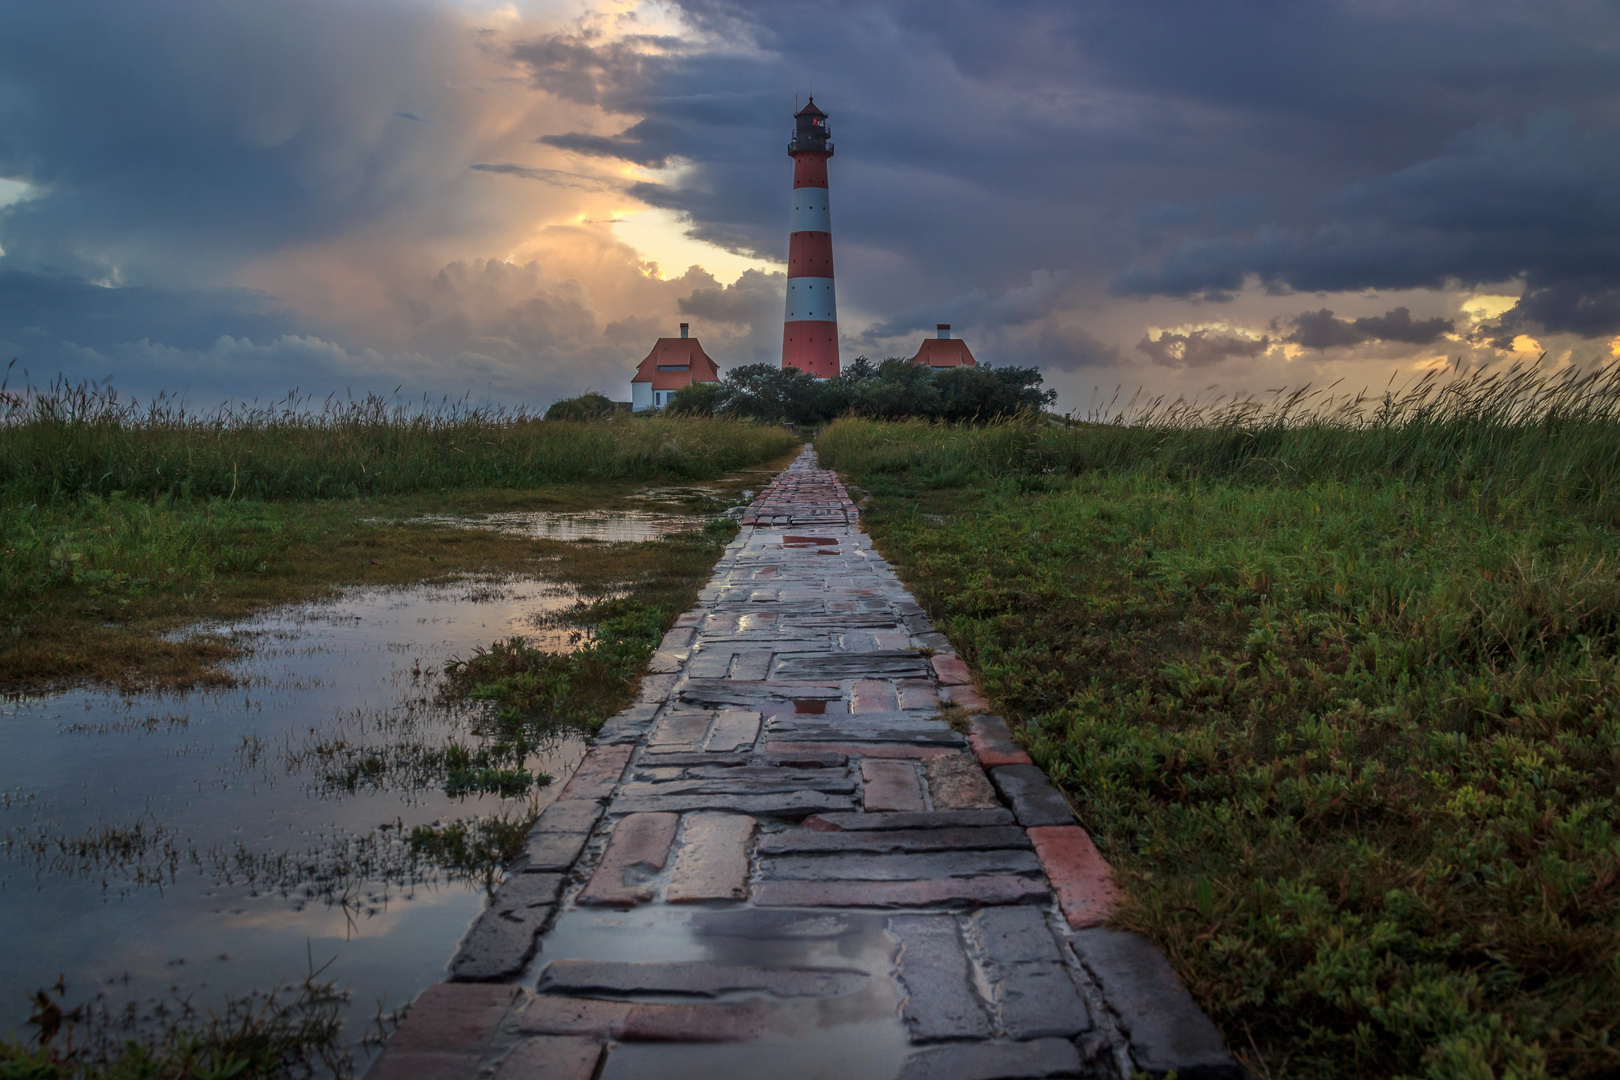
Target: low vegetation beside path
<point>119,525</point>
<point>1334,691</point>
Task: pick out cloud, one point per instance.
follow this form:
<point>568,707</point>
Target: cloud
<point>1199,348</point>
<point>1048,291</point>
<point>1534,206</point>
<point>755,297</point>
<point>172,142</point>
<point>1067,348</point>
<point>1322,330</point>
<point>554,177</point>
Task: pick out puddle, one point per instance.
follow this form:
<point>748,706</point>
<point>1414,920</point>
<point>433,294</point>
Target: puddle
<point>217,844</point>
<point>854,1036</point>
<point>618,526</point>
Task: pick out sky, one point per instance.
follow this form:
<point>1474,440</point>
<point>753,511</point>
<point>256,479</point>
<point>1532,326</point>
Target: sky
<point>506,202</point>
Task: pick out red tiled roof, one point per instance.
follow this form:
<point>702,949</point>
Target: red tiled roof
<point>686,355</point>
<point>945,352</point>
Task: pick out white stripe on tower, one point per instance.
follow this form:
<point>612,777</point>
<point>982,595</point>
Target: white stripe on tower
<point>810,330</point>
<point>811,298</point>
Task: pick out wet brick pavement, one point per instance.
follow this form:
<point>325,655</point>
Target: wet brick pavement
<point>782,861</point>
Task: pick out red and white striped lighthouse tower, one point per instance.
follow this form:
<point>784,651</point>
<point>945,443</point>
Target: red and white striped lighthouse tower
<point>810,332</point>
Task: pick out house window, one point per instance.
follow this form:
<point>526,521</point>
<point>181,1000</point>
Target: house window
<point>674,367</point>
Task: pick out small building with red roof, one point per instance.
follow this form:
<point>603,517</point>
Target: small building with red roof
<point>673,363</point>
<point>944,351</point>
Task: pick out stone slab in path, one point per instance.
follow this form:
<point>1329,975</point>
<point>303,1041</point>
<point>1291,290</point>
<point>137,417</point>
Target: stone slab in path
<point>782,861</point>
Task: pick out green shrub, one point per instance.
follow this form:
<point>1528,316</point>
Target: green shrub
<point>590,405</point>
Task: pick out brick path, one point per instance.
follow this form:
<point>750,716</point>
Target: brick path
<point>782,861</point>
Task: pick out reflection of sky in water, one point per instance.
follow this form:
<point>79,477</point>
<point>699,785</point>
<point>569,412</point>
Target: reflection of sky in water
<point>857,1036</point>
<point>622,526</point>
<point>206,774</point>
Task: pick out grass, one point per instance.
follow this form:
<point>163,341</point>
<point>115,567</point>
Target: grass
<point>118,528</point>
<point>67,442</point>
<point>1345,727</point>
<point>290,1031</point>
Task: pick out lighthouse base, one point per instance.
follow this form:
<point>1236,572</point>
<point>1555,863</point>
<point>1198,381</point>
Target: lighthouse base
<point>811,346</point>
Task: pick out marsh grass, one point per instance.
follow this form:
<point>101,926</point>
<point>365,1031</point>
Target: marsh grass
<point>1522,438</point>
<point>1335,694</point>
<point>119,526</point>
<point>533,693</point>
<point>289,1031</point>
<point>69,441</point>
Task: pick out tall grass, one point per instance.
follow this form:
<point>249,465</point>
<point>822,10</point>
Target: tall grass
<point>67,441</point>
<point>1525,435</point>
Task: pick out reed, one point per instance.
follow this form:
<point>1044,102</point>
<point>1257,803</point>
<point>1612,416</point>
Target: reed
<point>1524,435</point>
<point>67,441</point>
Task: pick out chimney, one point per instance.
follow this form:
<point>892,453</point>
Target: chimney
<point>944,329</point>
<point>683,329</point>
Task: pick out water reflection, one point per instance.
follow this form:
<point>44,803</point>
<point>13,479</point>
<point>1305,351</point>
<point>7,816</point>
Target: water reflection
<point>618,526</point>
<point>219,842</point>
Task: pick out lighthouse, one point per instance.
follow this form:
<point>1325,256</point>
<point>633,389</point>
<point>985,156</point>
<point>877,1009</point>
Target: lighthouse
<point>810,331</point>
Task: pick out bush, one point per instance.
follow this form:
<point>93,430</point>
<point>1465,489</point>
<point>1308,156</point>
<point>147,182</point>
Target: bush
<point>590,405</point>
<point>696,399</point>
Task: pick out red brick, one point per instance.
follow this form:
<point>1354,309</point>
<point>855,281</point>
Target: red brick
<point>598,774</point>
<point>637,849</point>
<point>713,861</point>
<point>552,1057</point>
<point>951,669</point>
<point>450,1018</point>
<point>867,750</point>
<point>554,1014</point>
<point>871,695</point>
<point>890,785</point>
<point>992,743</point>
<point>680,1022</point>
<point>931,892</point>
<point>1083,881</point>
<point>966,696</point>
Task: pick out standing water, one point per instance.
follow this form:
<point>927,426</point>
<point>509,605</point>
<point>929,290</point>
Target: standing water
<point>213,845</point>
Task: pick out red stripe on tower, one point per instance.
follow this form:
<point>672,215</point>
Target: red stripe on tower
<point>810,331</point>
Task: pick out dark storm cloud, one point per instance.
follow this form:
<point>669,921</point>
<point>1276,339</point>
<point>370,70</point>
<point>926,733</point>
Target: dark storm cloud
<point>648,143</point>
<point>1499,205</point>
<point>1045,294</point>
<point>40,307</point>
<point>554,177</point>
<point>151,340</point>
<point>172,140</point>
<point>1199,348</point>
<point>1322,330</point>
